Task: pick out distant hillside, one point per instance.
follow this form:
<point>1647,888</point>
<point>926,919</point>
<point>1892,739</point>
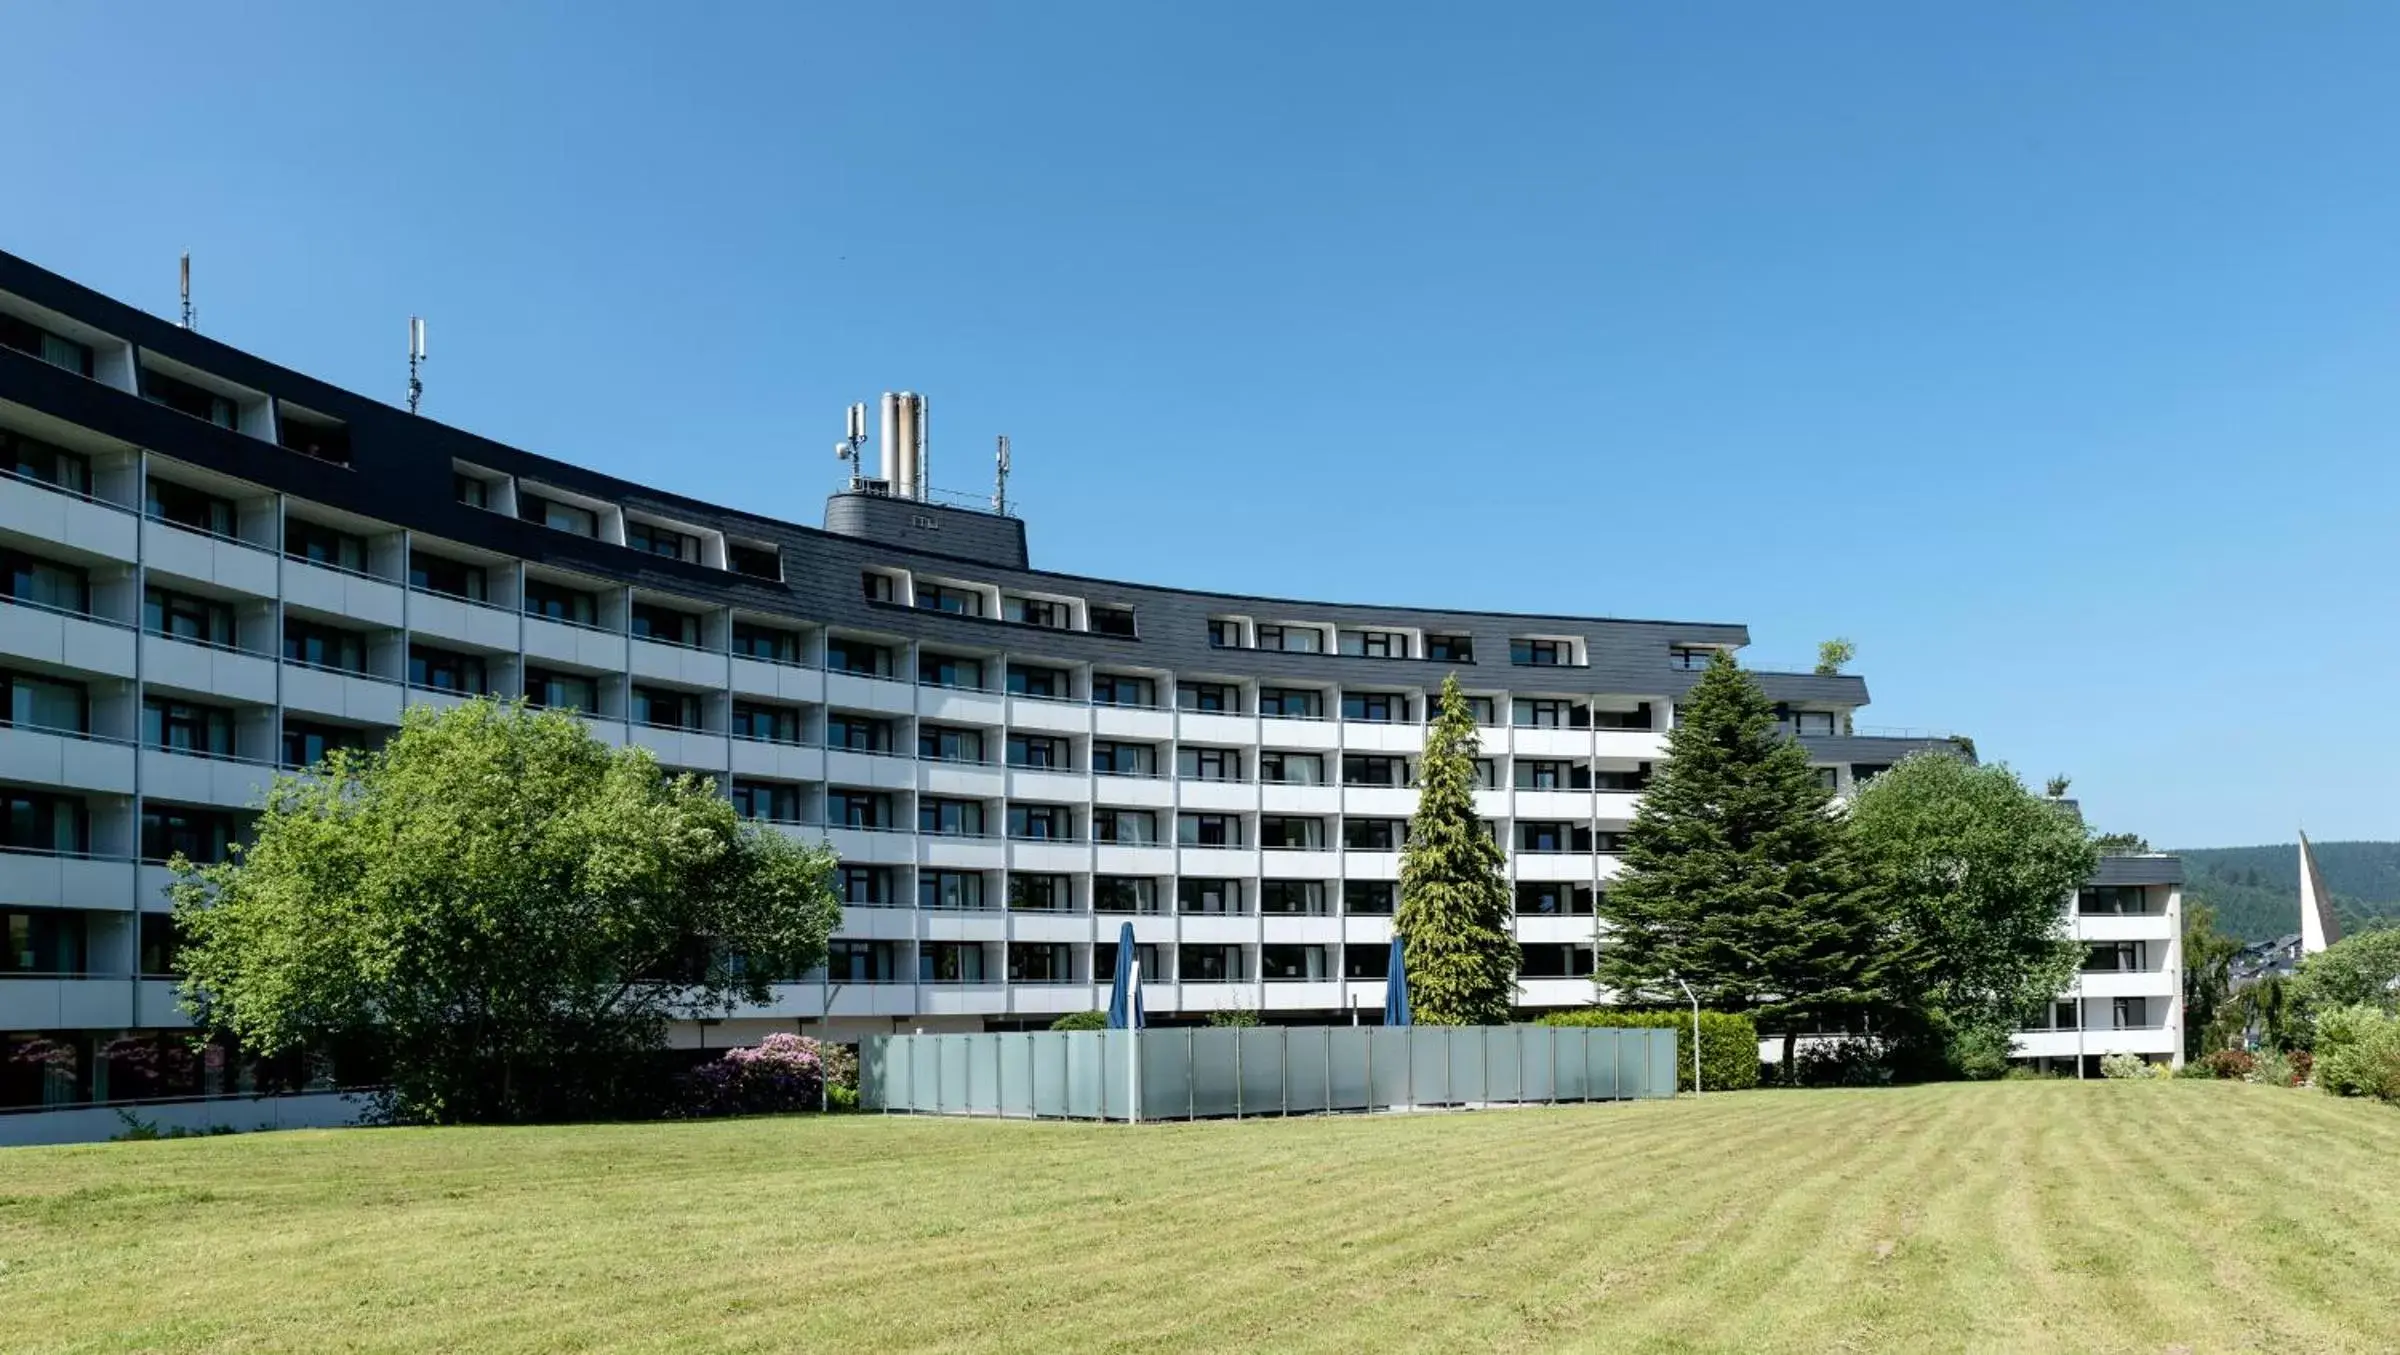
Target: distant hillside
<point>2256,890</point>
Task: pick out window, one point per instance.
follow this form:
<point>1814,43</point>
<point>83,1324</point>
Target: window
<point>1537,774</point>
<point>1040,823</point>
<point>1291,703</point>
<point>1213,964</point>
<point>1039,612</point>
<point>1123,894</point>
<point>47,942</point>
<point>185,398</point>
<point>1547,838</point>
<point>1374,835</point>
<point>1545,713</point>
<point>1225,634</point>
<point>1381,708</point>
<point>187,727</point>
<point>1050,684</point>
<point>2112,901</point>
<point>1689,658</point>
<point>2065,1015</point>
<point>665,625</point>
<point>560,603</point>
<point>864,962</point>
<point>768,644</point>
<point>1450,648</point>
<point>1208,830</point>
<point>759,562</point>
<point>471,490</point>
<point>185,506</point>
<point>1036,750</point>
<point>2131,1013</point>
<point>858,656</point>
<point>183,617</point>
<point>1813,723</point>
<point>1829,779</point>
<point>559,517</point>
<point>1041,893</point>
<point>200,834</point>
<point>1364,769</point>
<point>1554,899</point>
<point>1611,842</point>
<point>1306,898</point>
<point>935,597</point>
<point>950,889</point>
<point>1863,772</point>
<point>35,822</point>
<point>858,808</point>
<point>1037,961</point>
<point>433,574</point>
<point>1292,639</point>
<point>56,349</point>
<point>1293,964</point>
<point>1281,833</point>
<point>2113,957</point>
<point>1291,769</point>
<point>943,743</point>
<point>1617,779</point>
<point>32,459</point>
<point>951,961</point>
<point>664,709</point>
<point>561,691</point>
<point>1374,644</point>
<point>652,539</point>
<point>950,818</point>
<point>30,702</point>
<point>305,743</point>
<point>323,545</point>
<point>950,670</point>
<point>864,886</point>
<point>767,724</point>
<point>1541,653</point>
<point>1487,774</point>
<point>445,671</point>
<point>1124,759</point>
<point>1209,764</point>
<point>877,587</point>
<point>1114,621</point>
<point>1125,827</point>
<point>1208,896</point>
<point>1212,698</point>
<point>773,800</point>
<point>1113,689</point>
<point>1366,962</point>
<point>1370,898</point>
<point>1554,961</point>
<point>324,439</point>
<point>322,646</point>
<point>1637,718</point>
<point>858,733</point>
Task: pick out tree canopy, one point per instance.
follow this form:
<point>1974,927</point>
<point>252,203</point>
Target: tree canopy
<point>1455,918</point>
<point>1736,878</point>
<point>507,908</point>
<point>1973,872</point>
<point>2359,970</point>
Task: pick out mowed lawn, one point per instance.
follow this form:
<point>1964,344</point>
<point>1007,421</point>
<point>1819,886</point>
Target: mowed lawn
<point>2181,1216</point>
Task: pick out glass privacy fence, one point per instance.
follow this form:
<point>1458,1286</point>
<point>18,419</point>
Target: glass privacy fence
<point>1202,1072</point>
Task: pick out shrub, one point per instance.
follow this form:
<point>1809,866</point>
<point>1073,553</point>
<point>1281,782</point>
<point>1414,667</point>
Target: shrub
<point>2272,1069</point>
<point>779,1074</point>
<point>2126,1067</point>
<point>1853,1061</point>
<point>1979,1053</point>
<point>2195,1068</point>
<point>2229,1064</point>
<point>2358,1052</point>
<point>2302,1063</point>
<point>1081,1021</point>
<point>1728,1042</point>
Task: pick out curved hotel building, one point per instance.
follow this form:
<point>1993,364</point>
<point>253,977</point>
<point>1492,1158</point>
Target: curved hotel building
<point>217,567</point>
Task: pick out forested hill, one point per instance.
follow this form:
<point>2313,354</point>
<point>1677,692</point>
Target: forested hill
<point>2256,890</point>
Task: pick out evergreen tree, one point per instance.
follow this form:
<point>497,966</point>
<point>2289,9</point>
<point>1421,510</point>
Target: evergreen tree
<point>1455,921</point>
<point>1736,878</point>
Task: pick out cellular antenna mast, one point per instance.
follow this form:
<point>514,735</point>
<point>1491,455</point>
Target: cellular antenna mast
<point>416,359</point>
<point>189,315</point>
<point>854,441</point>
<point>1000,480</point>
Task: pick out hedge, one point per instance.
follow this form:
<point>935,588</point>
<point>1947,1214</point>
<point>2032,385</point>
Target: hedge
<point>1728,1042</point>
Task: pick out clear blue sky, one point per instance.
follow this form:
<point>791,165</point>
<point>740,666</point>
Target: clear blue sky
<point>2047,350</point>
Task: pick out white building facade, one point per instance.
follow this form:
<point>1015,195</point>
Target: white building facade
<point>216,567</point>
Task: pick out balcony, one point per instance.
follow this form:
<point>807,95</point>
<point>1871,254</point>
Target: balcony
<point>692,749</point>
<point>477,625</point>
<point>193,666</point>
<point>225,561</point>
<point>1049,857</point>
<point>961,705</point>
<point>2159,983</point>
<point>1214,727</point>
<point>199,779</point>
<point>341,694</point>
<point>1044,715</point>
<point>1543,742</point>
<point>67,880</point>
<point>780,681</point>
<point>342,592</point>
<point>565,642</point>
<point>48,513</point>
<point>2124,927</point>
<point>1575,992</point>
<point>64,758</point>
<point>66,1002</point>
<point>66,639</point>
<point>777,761</point>
<point>1138,724</point>
<point>680,664</point>
<point>861,691</point>
<point>1230,797</point>
<point>1055,999</point>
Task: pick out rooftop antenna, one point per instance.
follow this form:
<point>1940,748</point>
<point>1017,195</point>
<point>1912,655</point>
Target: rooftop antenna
<point>854,440</point>
<point>188,314</point>
<point>416,358</point>
<point>1000,480</point>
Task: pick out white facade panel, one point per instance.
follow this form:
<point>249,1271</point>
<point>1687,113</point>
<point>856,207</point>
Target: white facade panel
<point>221,673</point>
<point>69,641</point>
<point>1068,928</point>
<point>958,706</point>
<point>1360,737</point>
<point>878,924</point>
<point>1049,858</point>
<point>2135,927</point>
<point>1298,930</point>
<point>962,780</point>
<point>31,754</point>
<point>1528,741</point>
<point>475,625</point>
<point>330,590</point>
<point>1285,995</point>
<point>1138,792</point>
<point>1554,992</point>
<point>1306,735</point>
<point>1292,865</point>
<point>1238,863</point>
<point>1225,730</point>
<point>1220,797</point>
<point>1056,999</point>
<point>1541,929</point>
<point>961,999</point>
<point>1217,929</point>
<point>1631,745</point>
<point>42,880</point>
<point>874,771</point>
<point>1132,724</point>
<point>577,646</point>
<point>1379,802</point>
<point>1049,787</point>
<point>1277,797</point>
<point>964,853</point>
<point>1152,862</point>
<point>186,779</point>
<point>856,691</point>
<point>342,696</point>
<point>80,524</point>
<point>692,749</point>
<point>1049,717</point>
<point>678,664</point>
<point>230,565</point>
<point>776,761</point>
<point>1553,866</point>
<point>2159,983</point>
<point>866,848</point>
<point>776,681</point>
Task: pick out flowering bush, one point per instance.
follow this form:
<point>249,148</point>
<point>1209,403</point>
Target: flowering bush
<point>2302,1064</point>
<point>780,1073</point>
<point>2230,1064</point>
<point>2130,1067</point>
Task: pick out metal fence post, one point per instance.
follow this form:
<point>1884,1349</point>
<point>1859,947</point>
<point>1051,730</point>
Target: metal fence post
<point>1191,1084</point>
<point>1283,1041</point>
<point>1237,1072</point>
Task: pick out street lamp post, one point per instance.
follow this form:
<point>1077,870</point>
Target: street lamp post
<point>1687,992</point>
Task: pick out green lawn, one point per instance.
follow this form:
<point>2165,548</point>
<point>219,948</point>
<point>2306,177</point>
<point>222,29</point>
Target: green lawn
<point>2179,1216</point>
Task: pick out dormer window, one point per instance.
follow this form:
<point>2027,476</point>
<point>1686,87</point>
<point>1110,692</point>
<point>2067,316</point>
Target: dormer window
<point>1374,644</point>
<point>650,538</point>
<point>935,597</point>
<point>1114,621</point>
<point>1291,639</point>
<point>759,562</point>
<point>1225,632</point>
<point>56,349</point>
<point>1539,652</point>
<point>1450,648</point>
<point>185,398</point>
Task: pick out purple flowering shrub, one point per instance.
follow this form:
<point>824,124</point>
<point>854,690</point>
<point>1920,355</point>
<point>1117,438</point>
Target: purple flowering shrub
<point>780,1073</point>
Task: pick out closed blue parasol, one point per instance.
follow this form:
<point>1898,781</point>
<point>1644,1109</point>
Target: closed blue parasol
<point>1395,987</point>
<point>1124,998</point>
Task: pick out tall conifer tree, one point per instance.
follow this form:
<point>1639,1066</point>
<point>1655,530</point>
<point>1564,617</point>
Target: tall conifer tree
<point>1455,922</point>
<point>1736,876</point>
